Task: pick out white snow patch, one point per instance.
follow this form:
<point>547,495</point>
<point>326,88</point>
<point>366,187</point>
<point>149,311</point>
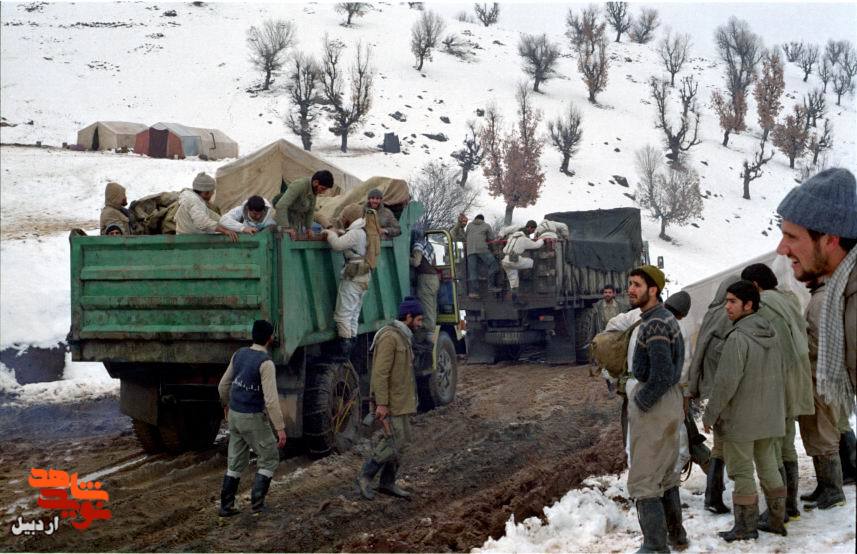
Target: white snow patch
<point>81,381</point>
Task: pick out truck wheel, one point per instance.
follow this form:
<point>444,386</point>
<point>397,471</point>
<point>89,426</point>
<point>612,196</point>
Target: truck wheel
<point>438,389</point>
<point>182,428</point>
<point>148,436</point>
<point>584,322</point>
<point>331,408</point>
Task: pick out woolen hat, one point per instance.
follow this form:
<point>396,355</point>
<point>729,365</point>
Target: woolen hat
<point>826,202</point>
<point>680,302</point>
<point>204,182</point>
<point>410,305</point>
<point>375,193</point>
<point>656,275</point>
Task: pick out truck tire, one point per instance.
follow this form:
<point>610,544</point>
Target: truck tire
<point>183,428</point>
<point>585,319</point>
<point>148,436</point>
<point>438,388</point>
<point>331,408</point>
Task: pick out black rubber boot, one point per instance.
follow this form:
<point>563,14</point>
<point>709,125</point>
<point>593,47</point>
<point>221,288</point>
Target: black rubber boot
<point>388,481</point>
<point>258,492</point>
<point>791,481</point>
<point>227,496</point>
<point>832,495</point>
<point>819,486</point>
<point>763,519</point>
<point>364,480</point>
<point>847,455</point>
<point>653,523</point>
<point>776,515</point>
<point>672,511</point>
<point>714,487</point>
<point>746,520</point>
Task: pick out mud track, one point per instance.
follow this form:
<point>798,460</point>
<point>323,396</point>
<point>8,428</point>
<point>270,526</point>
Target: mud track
<point>517,437</point>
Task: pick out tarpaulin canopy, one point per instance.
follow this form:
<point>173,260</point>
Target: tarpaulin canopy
<point>395,191</point>
<point>607,240</point>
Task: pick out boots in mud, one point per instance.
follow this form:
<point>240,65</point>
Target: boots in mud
<point>763,519</point>
<point>792,477</point>
<point>672,510</point>
<point>388,481</point>
<point>848,457</point>
<point>819,485</point>
<point>714,487</point>
<point>746,510</point>
<point>776,511</point>
<point>653,524</point>
<point>258,493</point>
<point>227,496</point>
<point>830,478</point>
<point>364,480</point>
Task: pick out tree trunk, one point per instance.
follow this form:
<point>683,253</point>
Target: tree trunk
<point>838,98</point>
<point>805,75</point>
<point>824,90</point>
<point>536,85</point>
<point>420,63</point>
<point>726,137</point>
<point>765,135</point>
<point>306,141</point>
<point>267,79</point>
<point>815,155</point>
<point>565,159</point>
<point>791,161</point>
<point>663,234</point>
<point>507,218</point>
<point>343,145</point>
<point>592,96</point>
<point>746,188</point>
<point>348,21</point>
<point>618,35</point>
<point>464,172</point>
<point>672,79</point>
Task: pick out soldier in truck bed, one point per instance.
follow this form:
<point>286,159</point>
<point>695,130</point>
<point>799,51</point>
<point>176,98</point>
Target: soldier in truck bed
<point>476,238</point>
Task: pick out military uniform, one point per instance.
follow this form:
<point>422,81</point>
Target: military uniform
<point>295,208</point>
<point>428,282</point>
<point>476,238</point>
<point>354,281</point>
<point>114,212</point>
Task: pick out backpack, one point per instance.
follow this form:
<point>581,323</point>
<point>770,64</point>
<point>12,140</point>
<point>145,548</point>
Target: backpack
<point>609,349</point>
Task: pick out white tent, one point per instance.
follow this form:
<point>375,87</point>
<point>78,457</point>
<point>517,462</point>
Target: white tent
<point>109,135</point>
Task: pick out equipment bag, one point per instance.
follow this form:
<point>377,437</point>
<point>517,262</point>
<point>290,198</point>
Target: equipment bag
<point>609,349</point>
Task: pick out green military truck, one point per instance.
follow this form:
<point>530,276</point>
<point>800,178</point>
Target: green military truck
<point>165,313</point>
<point>556,296</point>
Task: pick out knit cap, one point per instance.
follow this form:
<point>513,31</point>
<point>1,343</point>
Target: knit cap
<point>203,182</point>
<point>826,202</point>
<point>656,274</point>
<point>410,305</point>
<point>680,302</point>
<point>375,193</point>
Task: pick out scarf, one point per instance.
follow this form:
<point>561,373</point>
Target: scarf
<point>833,382</point>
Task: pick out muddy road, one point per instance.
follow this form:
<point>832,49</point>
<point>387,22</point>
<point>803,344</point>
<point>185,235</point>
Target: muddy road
<point>517,437</point>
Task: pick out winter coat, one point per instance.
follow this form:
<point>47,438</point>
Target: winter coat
<point>519,243</point>
<point>239,217</point>
<point>195,215</point>
<point>387,222</point>
<point>476,237</point>
<point>296,207</point>
<point>353,246</point>
<point>113,212</point>
<point>747,400</point>
<point>709,343</point>
<point>782,310</point>
<point>393,383</point>
<point>604,312</point>
<point>851,326</point>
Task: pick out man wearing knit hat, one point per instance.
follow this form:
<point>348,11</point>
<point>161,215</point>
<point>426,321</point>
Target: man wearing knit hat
<point>819,234</point>
<point>195,215</point>
<point>386,219</point>
<point>114,213</point>
<point>393,389</point>
<point>655,414</point>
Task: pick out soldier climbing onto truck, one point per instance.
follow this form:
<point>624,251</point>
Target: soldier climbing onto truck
<point>514,259</point>
<point>295,205</point>
<point>252,216</point>
<point>195,214</point>
<point>476,237</point>
<point>428,283</point>
<point>386,219</point>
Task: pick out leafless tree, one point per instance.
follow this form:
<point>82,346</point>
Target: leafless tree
<point>815,105</point>
<point>674,51</point>
<point>768,90</point>
<point>730,114</point>
<point>791,135</point>
<point>346,112</point>
<point>303,96</point>
<point>352,10</point>
<point>834,48</point>
<point>808,59</point>
<point>825,72</point>
<point>741,50</point>
<point>842,85</point>
<point>565,133</point>
<point>848,61</point>
<point>464,17</point>
<point>419,6</point>
<point>487,15</point>
<point>594,66</point>
<point>618,17</point>
<point>436,186</point>
<point>820,143</point>
<point>584,30</point>
<point>682,137</point>
<point>793,50</point>
<point>671,197</point>
<point>540,57</point>
<point>643,28</point>
<point>753,170</point>
<point>425,35</point>
<point>268,44</point>
<point>470,155</point>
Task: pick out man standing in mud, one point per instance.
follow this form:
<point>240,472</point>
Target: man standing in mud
<point>394,389</point>
<point>655,414</point>
<point>248,390</point>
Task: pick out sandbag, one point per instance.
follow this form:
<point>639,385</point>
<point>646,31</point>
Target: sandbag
<point>554,228</point>
<point>396,196</point>
<point>147,213</point>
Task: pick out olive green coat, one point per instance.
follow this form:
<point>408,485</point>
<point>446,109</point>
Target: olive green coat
<point>296,207</point>
<point>393,383</point>
<point>709,343</point>
<point>477,235</point>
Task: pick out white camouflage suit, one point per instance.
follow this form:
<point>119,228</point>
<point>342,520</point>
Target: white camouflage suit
<point>349,300</point>
<point>518,243</point>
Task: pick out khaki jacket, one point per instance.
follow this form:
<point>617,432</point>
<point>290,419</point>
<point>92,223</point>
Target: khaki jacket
<point>851,327</point>
<point>476,237</point>
<point>393,383</point>
<point>388,223</point>
<point>747,400</point>
<point>194,215</point>
<point>296,207</point>
<point>113,212</point>
<point>709,343</point>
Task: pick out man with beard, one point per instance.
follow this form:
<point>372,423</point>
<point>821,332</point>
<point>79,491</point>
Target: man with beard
<point>386,218</point>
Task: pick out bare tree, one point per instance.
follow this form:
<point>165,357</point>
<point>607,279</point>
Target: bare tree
<point>834,48</point>
<point>346,112</point>
<point>674,51</point>
<point>487,15</point>
<point>352,10</point>
<point>753,170</point>
<point>268,44</point>
<point>741,50</point>
<point>425,35</point>
<point>419,6</point>
<point>584,31</point>
<point>302,93</point>
<point>464,17</point>
<point>469,156</point>
<point>842,85</point>
<point>643,28</point>
<point>672,197</point>
<point>768,90</point>
<point>815,105</point>
<point>540,57</point>
<point>819,143</point>
<point>730,114</point>
<point>791,136</point>
<point>825,72</point>
<point>594,66</point>
<point>848,61</point>
<point>680,138</point>
<point>793,50</point>
<point>808,59</point>
<point>565,134</point>
<point>436,187</point>
<point>618,17</point>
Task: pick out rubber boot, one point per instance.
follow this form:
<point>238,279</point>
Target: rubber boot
<point>832,494</point>
<point>672,510</point>
<point>388,481</point>
<point>227,496</point>
<point>714,487</point>
<point>258,492</point>
<point>776,513</point>
<point>792,476</point>
<point>819,486</point>
<point>746,520</point>
<point>763,519</point>
<point>653,523</point>
<point>364,480</point>
<point>847,455</point>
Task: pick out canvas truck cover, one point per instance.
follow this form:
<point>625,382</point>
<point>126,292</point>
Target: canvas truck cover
<point>605,240</point>
<point>395,191</point>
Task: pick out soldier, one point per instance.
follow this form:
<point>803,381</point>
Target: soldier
<point>195,214</point>
<point>114,213</point>
<point>428,282</point>
<point>252,216</point>
<point>655,414</point>
<point>248,390</point>
<point>393,387</point>
<point>457,230</point>
<point>476,238</point>
<point>747,406</point>
<point>606,308</point>
<point>387,221</point>
<point>514,259</point>
<point>296,205</point>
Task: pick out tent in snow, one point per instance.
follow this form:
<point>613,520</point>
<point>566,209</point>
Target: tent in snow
<point>265,170</point>
<point>109,135</point>
<point>174,140</point>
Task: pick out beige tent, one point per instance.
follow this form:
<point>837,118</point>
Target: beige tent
<point>109,135</point>
<point>214,144</point>
<point>263,171</point>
